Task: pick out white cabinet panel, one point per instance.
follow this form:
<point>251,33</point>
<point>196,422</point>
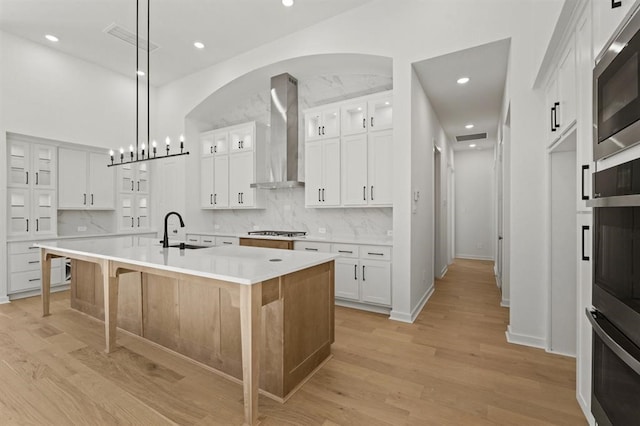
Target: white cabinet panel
<point>18,158</point>
<point>206,182</point>
<point>376,279</point>
<point>380,113</point>
<point>354,118</point>
<point>206,144</point>
<point>313,173</point>
<point>43,166</point>
<point>101,182</point>
<point>240,177</point>
<point>322,173</point>
<point>72,191</point>
<point>322,123</point>
<point>567,87</point>
<point>221,182</point>
<point>354,170</point>
<point>347,284</point>
<point>380,168</point>
<point>242,138</point>
<point>19,201</point>
<point>331,160</point>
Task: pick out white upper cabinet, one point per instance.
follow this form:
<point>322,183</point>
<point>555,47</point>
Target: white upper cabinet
<point>322,173</point>
<point>31,165</point>
<point>133,211</point>
<point>322,123</point>
<point>553,124</point>
<point>380,112</point>
<point>606,19</point>
<point>229,165</point>
<point>354,168</point>
<point>567,87</point>
<point>85,181</point>
<point>354,118</point>
<point>242,138</point>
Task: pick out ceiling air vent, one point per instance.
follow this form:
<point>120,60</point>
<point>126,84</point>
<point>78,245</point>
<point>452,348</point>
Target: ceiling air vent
<point>125,35</point>
<point>475,136</point>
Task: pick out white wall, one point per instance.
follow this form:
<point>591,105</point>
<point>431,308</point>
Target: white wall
<point>475,225</point>
<point>52,95</point>
<point>408,32</point>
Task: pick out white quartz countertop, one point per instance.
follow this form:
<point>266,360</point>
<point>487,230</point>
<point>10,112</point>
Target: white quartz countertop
<point>237,264</point>
<point>342,239</point>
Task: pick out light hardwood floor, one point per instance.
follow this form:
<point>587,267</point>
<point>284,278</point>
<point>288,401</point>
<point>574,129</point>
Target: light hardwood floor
<point>451,367</point>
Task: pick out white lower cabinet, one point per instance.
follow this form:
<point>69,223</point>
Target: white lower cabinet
<point>362,272</point>
<point>24,268</point>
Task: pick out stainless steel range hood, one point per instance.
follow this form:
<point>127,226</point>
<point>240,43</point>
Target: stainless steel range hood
<point>281,168</point>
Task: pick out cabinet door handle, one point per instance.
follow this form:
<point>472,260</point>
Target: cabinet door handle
<point>615,4</point>
<point>584,229</point>
<point>27,182</point>
<point>238,198</point>
<point>375,254</point>
<point>363,278</point>
<point>364,193</point>
<point>211,149</point>
<point>132,221</point>
<point>555,115</point>
<point>215,199</point>
<point>215,149</point>
<point>355,272</point>
<point>371,121</point>
<point>584,167</point>
<point>138,186</point>
<point>345,251</point>
<point>323,195</point>
<point>37,225</point>
<point>319,131</point>
<point>36,178</point>
<point>322,130</point>
<point>34,279</point>
<point>138,221</point>
<point>310,249</point>
<point>364,123</point>
<point>371,192</point>
<point>553,127</point>
<point>33,262</point>
<point>27,225</point>
<point>211,199</point>
<point>91,199</point>
<point>319,195</point>
<point>84,199</point>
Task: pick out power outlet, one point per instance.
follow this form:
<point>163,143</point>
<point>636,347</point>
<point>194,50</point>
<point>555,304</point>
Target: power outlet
<point>82,229</point>
<point>322,230</point>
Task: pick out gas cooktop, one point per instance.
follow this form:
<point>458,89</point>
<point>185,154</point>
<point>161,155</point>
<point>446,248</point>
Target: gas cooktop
<point>279,233</point>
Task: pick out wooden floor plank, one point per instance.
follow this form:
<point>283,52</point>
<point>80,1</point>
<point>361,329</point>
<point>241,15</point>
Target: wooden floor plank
<point>451,367</point>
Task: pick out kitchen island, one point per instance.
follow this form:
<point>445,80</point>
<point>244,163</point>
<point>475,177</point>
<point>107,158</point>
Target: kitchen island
<point>264,316</point>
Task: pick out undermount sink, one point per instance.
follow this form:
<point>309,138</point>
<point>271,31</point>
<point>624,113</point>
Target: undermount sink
<point>187,246</point>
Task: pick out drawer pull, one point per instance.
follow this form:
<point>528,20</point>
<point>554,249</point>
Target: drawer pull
<point>207,241</point>
<point>376,254</point>
<point>33,247</point>
<point>192,239</point>
<point>227,242</point>
<point>34,279</point>
<point>345,251</point>
<point>310,249</point>
<point>32,262</point>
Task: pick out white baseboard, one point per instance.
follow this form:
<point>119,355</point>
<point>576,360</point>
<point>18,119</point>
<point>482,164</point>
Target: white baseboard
<point>473,257</point>
<point>586,410</point>
<point>504,303</point>
<point>362,306</point>
<point>411,317</point>
<point>4,299</point>
<point>560,353</point>
<point>525,340</point>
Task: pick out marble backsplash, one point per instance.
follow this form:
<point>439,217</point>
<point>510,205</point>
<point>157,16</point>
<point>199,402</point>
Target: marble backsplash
<point>285,210</point>
<point>71,222</point>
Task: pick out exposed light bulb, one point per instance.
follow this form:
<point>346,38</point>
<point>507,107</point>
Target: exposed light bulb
<point>463,80</point>
<point>198,45</point>
<point>51,38</point>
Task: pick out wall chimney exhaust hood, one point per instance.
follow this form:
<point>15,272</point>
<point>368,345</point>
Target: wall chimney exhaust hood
<point>281,168</point>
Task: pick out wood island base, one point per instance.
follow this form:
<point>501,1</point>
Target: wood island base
<point>202,321</point>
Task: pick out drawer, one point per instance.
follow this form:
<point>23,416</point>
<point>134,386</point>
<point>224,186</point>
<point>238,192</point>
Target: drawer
<point>375,252</point>
<point>22,262</point>
<point>193,239</point>
<point>227,241</point>
<point>207,240</point>
<point>23,247</point>
<point>312,246</point>
<point>346,250</point>
<point>31,280</point>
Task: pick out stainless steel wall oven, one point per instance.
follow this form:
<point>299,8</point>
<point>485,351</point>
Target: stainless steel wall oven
<point>616,295</point>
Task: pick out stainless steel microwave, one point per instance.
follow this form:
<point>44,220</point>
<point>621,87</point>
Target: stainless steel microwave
<point>616,93</point>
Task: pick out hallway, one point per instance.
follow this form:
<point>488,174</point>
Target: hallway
<point>452,367</point>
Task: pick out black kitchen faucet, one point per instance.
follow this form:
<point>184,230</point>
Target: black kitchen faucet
<point>165,240</point>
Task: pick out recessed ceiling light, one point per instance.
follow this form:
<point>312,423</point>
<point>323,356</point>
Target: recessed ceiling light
<point>140,73</point>
<point>473,145</point>
<point>469,126</point>
<point>51,38</point>
<point>198,45</point>
<point>463,80</point>
<point>287,3</point>
<point>386,103</point>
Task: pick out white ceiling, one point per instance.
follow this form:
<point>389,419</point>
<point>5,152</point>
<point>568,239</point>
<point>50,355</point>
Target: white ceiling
<point>226,27</point>
<point>479,101</point>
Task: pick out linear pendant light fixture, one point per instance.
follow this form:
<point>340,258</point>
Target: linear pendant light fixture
<point>151,151</point>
